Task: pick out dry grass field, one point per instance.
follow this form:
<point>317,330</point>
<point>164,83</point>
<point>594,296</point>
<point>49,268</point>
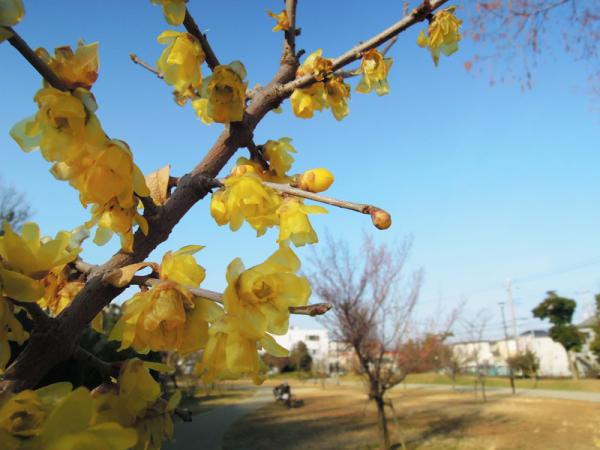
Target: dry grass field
<point>339,418</point>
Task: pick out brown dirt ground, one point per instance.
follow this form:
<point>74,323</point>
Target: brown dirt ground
<point>340,418</point>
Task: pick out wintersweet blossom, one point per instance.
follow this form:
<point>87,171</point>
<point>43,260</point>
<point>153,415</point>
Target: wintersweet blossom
<point>315,180</point>
<point>27,258</point>
<point>173,10</point>
<point>225,91</point>
<point>11,13</point>
<point>283,22</point>
<point>77,68</point>
<point>168,316</point>
<point>244,197</point>
<point>443,34</point>
<point>180,63</point>
<point>294,224</point>
<point>259,297</point>
<point>374,68</point>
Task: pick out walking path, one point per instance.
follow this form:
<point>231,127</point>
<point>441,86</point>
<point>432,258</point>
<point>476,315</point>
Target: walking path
<point>545,393</point>
<point>206,430</point>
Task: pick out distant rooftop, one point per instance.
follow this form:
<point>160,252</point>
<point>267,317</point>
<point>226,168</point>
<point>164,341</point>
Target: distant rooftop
<point>535,333</point>
<point>587,323</point>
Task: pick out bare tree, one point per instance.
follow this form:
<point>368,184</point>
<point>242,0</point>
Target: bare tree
<point>518,32</point>
<point>475,329</point>
<point>373,299</point>
<point>14,208</point>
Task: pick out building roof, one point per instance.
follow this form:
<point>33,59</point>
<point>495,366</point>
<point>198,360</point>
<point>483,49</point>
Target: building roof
<point>535,333</point>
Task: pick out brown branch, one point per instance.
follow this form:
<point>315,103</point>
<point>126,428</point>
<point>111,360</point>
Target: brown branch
<point>356,71</point>
<point>43,69</point>
<point>418,15</point>
<point>289,48</point>
<point>372,210</point>
<point>190,25</point>
<point>137,60</point>
<point>37,314</point>
<point>106,369</point>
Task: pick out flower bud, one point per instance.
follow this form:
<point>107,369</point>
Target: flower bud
<point>381,219</point>
<point>316,180</point>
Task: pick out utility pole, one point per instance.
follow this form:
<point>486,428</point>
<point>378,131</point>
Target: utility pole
<point>511,304</point>
<point>511,373</point>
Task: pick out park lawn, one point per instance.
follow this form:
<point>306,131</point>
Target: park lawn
<point>339,417</point>
<point>561,384</point>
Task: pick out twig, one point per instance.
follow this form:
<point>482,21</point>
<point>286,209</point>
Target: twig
<point>289,49</point>
<point>190,25</point>
<point>137,60</point>
<point>418,15</point>
<point>43,69</point>
<point>83,267</point>
<point>316,309</point>
<point>360,207</point>
<point>106,369</point>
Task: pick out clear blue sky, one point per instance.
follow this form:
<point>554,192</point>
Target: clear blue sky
<point>491,182</point>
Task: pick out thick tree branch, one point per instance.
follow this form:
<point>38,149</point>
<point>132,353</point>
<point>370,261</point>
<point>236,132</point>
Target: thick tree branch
<point>106,369</point>
<point>37,314</point>
<point>418,15</point>
<point>190,25</point>
<point>24,49</point>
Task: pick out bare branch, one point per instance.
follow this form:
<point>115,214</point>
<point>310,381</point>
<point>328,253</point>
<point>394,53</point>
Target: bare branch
<point>137,60</point>
<point>37,314</point>
<point>106,369</point>
<point>46,72</point>
<point>418,15</point>
<point>190,25</point>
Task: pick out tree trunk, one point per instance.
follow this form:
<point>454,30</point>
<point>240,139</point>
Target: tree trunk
<point>384,435</point>
<point>573,366</point>
<point>482,383</point>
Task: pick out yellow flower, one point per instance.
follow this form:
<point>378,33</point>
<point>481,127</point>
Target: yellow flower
<point>277,153</point>
<point>58,128</point>
<point>316,65</point>
<point>375,69</point>
<point>200,105</point>
<point>225,91</point>
<point>173,10</point>
<point>306,101</point>
<point>443,34</point>
<point>135,402</point>
<point>77,69</point>
<point>336,96</point>
<point>111,172</point>
<point>245,198</point>
<point>10,330</point>
<point>316,180</point>
<point>26,259</point>
<point>294,224</point>
<point>112,218</point>
<point>71,425</point>
<point>23,414</point>
<point>258,298</point>
<point>230,355</point>
<point>283,22</point>
<point>168,316</point>
<point>180,62</point>
<point>11,13</point>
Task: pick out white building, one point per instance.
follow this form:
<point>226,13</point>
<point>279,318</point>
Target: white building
<point>492,355</point>
<point>317,342</point>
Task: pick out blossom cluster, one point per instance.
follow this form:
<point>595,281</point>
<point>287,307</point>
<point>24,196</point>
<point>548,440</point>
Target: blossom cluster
<point>69,135</point>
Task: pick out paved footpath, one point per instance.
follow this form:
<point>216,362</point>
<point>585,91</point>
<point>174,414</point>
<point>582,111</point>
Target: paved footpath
<point>545,393</point>
<point>207,429</point>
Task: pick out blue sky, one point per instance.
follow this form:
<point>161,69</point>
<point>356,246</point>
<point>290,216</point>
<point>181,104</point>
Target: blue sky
<point>491,182</point>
